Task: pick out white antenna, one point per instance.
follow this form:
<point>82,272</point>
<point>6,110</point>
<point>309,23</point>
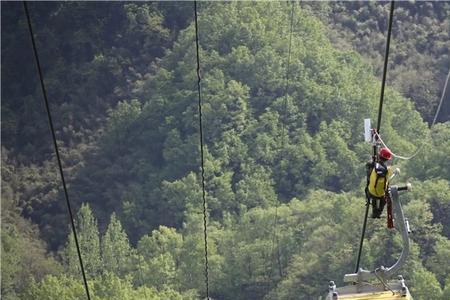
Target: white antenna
<point>367,131</point>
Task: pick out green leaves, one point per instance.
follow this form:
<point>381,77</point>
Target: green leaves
<point>116,251</point>
<point>89,243</point>
<point>107,287</point>
<point>283,158</point>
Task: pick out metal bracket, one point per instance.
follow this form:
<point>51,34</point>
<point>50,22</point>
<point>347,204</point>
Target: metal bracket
<point>402,225</point>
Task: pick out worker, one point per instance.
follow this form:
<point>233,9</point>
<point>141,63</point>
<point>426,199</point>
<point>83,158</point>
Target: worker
<point>378,181</point>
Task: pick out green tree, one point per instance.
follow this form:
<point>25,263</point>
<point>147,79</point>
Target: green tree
<point>438,263</point>
<point>446,291</point>
<point>431,161</point>
<point>106,287</point>
<point>119,125</point>
<point>161,255</point>
<point>256,188</point>
<point>52,287</point>
<point>24,255</point>
<point>116,252</point>
<point>425,285</point>
<point>191,274</point>
<point>89,242</point>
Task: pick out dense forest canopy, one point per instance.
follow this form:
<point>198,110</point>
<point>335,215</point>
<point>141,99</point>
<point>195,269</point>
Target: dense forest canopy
<point>284,152</point>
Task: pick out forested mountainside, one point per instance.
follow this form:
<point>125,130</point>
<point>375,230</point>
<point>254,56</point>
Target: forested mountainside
<point>419,55</point>
<point>284,158</point>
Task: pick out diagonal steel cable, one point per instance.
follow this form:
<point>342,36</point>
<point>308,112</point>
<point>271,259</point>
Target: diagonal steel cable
<point>205,216</point>
<point>55,144</point>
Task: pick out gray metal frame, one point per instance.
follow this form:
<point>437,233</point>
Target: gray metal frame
<point>402,225</point>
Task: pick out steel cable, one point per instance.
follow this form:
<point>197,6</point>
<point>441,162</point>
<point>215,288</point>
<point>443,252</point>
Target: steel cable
<point>55,144</point>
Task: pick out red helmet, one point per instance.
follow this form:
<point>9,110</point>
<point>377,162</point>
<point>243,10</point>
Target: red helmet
<point>385,153</point>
